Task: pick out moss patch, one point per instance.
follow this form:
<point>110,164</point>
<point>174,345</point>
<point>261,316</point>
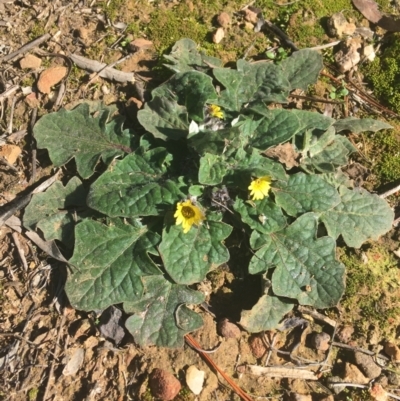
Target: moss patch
<point>372,291</point>
<point>384,75</point>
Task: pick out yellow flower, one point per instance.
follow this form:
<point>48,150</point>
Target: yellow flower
<point>215,111</point>
<point>188,214</point>
<point>259,187</point>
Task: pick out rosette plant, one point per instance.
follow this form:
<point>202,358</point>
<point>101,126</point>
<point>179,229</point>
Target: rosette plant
<point>152,221</point>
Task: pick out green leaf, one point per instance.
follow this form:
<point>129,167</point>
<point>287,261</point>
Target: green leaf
<point>185,57</point>
<point>68,134</point>
<point>302,68</point>
<point>306,268</point>
<point>56,211</point>
<point>212,169</point>
<point>330,157</point>
<point>136,186</point>
<point>277,127</point>
<point>164,118</point>
<point>309,120</point>
<point>110,261</point>
<point>358,125</point>
<point>251,82</point>
<point>189,257</point>
<point>161,316</point>
<point>264,216</point>
<point>191,89</point>
<point>305,193</point>
<point>359,217</point>
<point>265,314</point>
<point>244,165</point>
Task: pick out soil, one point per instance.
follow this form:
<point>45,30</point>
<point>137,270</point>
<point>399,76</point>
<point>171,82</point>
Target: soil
<point>49,351</point>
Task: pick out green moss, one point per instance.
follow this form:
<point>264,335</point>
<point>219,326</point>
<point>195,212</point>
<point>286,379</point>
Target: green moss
<point>384,75</point>
<point>37,30</point>
<point>385,154</point>
<point>372,290</point>
<point>113,8</point>
<point>33,393</point>
<point>168,26</point>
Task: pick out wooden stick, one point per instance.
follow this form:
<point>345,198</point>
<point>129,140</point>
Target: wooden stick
<point>281,371</point>
<point>102,69</point>
<point>22,50</point>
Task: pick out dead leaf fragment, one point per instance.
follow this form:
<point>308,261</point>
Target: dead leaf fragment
<point>218,35</point>
<point>348,57</point>
<point>51,77</point>
<point>285,154</point>
<point>195,379</point>
<point>369,9</point>
<point>74,362</point>
<point>10,153</point>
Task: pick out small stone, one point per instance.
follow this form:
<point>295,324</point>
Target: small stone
<point>344,333</point>
<point>74,363</point>
<point>10,153</point>
<point>248,26</point>
<point>250,16</point>
<point>369,52</point>
<point>328,398</point>
<point>30,62</point>
<point>224,19</point>
<point>393,351</point>
<point>338,25</point>
<point>164,385</point>
<point>257,346</point>
<point>367,365</point>
<point>320,341</point>
<point>218,35</point>
<point>195,379</point>
<point>227,329</point>
<point>32,100</point>
<point>50,77</point>
<point>353,375</point>
<point>105,89</point>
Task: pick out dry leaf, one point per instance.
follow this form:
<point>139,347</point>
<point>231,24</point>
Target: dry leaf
<point>369,9</point>
<point>51,77</point>
<point>285,154</point>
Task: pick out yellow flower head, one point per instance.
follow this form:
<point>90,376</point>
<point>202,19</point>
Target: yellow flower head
<point>215,111</point>
<point>260,187</point>
<point>188,214</point>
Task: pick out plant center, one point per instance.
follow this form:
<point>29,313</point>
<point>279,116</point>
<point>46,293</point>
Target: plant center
<point>187,212</point>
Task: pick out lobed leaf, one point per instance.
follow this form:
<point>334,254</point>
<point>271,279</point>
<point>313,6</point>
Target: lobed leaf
<point>111,261</point>
<point>56,211</point>
<point>359,216</point>
<point>212,169</point>
<point>136,186</point>
<point>358,125</point>
<point>161,316</point>
<point>189,257</point>
<point>265,314</point>
<point>67,134</point>
<point>191,89</point>
<point>305,266</point>
<point>304,193</point>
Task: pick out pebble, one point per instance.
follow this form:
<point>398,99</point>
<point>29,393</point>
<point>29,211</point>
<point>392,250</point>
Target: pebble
<point>219,34</point>
<point>227,329</point>
<point>378,393</point>
<point>164,385</point>
<point>140,44</point>
<point>393,351</point>
<point>224,20</point>
<point>353,375</point>
<point>367,365</point>
<point>250,16</point>
<point>10,153</point>
<point>320,341</point>
<point>195,379</point>
<point>257,346</point>
<point>300,397</point>
<point>30,62</point>
<point>74,362</point>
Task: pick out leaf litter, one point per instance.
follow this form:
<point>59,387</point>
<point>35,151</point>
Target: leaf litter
<point>82,332</point>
